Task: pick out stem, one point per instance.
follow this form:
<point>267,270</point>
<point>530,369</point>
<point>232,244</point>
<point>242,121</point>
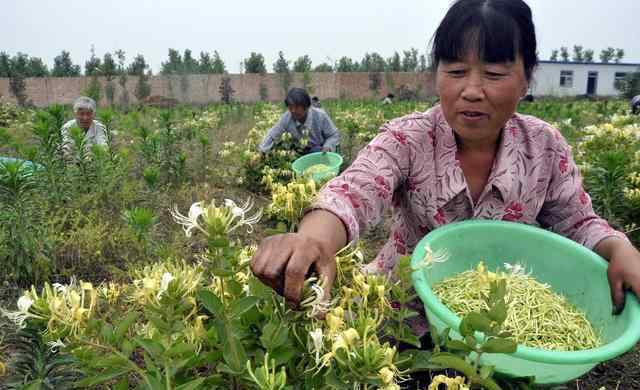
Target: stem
<point>166,376</point>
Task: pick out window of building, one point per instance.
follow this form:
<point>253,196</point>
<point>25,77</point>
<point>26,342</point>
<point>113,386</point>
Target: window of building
<point>566,78</point>
<point>619,76</point>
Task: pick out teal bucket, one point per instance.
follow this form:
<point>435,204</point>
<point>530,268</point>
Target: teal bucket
<point>331,161</point>
<point>569,268</point>
<point>26,164</point>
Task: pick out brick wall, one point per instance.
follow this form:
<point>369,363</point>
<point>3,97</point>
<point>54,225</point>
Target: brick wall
<point>202,89</point>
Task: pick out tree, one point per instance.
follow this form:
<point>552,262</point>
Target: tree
<point>630,86</point>
<point>324,67</point>
<point>122,79</point>
<point>607,54</point>
<point>205,65</point>
<point>138,66</point>
<point>37,68</point>
<point>64,67</point>
<point>92,66</point>
<point>109,69</point>
<point>410,60</point>
<point>578,55</point>
<point>588,55</point>
<point>394,64</point>
<point>281,67</point>
<point>218,66</point>
<point>372,63</point>
<point>302,64</point>
<point>174,65</point>
<point>564,54</point>
<point>619,55</point>
<point>5,64</point>
<point>189,64</point>
<point>143,88</point>
<point>255,64</point>
<point>423,67</point>
<point>346,64</point>
<point>554,55</point>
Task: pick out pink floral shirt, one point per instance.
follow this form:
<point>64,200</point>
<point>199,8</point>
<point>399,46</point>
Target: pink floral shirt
<point>411,166</point>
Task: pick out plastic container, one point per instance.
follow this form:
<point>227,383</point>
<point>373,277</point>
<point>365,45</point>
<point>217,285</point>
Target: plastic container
<point>332,160</point>
<point>27,165</point>
<point>569,268</point>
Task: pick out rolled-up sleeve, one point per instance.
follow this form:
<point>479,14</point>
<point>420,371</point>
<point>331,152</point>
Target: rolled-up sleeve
<point>330,133</point>
<point>274,133</point>
<point>362,192</point>
<point>567,209</point>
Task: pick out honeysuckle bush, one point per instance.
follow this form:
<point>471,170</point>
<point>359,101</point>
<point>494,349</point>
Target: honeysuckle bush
<point>211,324</point>
<point>609,157</point>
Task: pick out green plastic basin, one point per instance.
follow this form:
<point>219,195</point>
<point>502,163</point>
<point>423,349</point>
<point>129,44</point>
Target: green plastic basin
<point>332,160</point>
<point>569,268</point>
<point>27,165</point>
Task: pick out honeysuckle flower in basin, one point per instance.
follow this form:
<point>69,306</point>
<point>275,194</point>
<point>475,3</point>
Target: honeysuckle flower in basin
<point>217,220</point>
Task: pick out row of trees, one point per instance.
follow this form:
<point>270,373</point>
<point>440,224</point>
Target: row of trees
<point>409,61</point>
<point>580,54</point>
<point>207,63</point>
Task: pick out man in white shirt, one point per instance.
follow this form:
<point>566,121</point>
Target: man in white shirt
<point>84,109</point>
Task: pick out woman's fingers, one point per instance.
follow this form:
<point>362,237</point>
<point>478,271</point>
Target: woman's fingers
<point>616,284</point>
<point>270,260</point>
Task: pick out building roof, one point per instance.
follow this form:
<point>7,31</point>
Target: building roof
<point>589,63</point>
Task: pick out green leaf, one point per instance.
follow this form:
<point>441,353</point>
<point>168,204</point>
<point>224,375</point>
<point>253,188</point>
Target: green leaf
<point>124,325</point>
<point>194,384</point>
<point>471,341</point>
<point>153,348</point>
<point>106,332</point>
<point>457,345</point>
<point>498,312</point>
<point>283,354</point>
<point>127,347</point>
<point>233,354</point>
<point>242,305</point>
<point>123,384</point>
<point>465,327</point>
<point>234,288</point>
<point>103,377</point>
<point>179,349</point>
<point>496,345</point>
<point>478,322</point>
<point>274,335</point>
<point>486,371</point>
<point>211,302</point>
<point>449,360</point>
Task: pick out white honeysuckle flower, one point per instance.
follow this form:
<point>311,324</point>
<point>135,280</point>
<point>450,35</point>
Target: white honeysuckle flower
<point>317,302</point>
<point>431,257</point>
<point>190,221</point>
<point>239,215</point>
<point>317,339</point>
<point>164,283</point>
<point>61,288</point>
<point>55,345</point>
<point>515,269</point>
<point>24,304</point>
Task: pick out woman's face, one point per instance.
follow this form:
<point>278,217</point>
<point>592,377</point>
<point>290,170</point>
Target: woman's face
<point>478,98</point>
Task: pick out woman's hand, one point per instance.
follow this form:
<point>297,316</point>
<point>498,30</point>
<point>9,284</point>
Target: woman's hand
<point>284,261</point>
<point>623,271</point>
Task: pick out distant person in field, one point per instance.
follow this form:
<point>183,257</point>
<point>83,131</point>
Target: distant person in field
<point>84,109</point>
<point>308,125</point>
<point>315,102</point>
<point>635,105</point>
<point>388,99</point>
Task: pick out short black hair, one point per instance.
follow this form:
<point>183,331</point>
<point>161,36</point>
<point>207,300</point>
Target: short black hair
<point>498,30</point>
<point>297,97</point>
<point>315,99</point>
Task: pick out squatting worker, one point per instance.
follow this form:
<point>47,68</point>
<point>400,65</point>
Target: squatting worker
<point>635,104</point>
<point>84,109</point>
<point>303,121</point>
<point>470,157</point>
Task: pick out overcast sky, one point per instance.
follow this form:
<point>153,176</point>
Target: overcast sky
<point>324,29</point>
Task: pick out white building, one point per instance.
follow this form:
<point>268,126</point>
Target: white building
<point>559,78</point>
